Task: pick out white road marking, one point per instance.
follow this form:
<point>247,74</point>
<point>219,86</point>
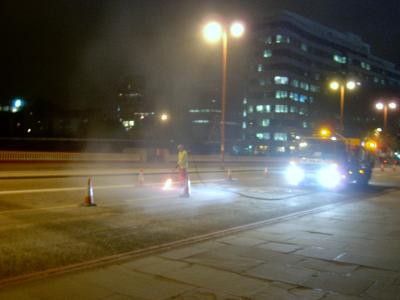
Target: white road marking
<point>101,187</point>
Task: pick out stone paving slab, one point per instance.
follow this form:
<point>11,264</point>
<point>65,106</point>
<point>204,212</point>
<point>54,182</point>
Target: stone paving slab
<point>281,272</point>
<point>205,294</point>
<point>341,284</point>
<point>218,280</point>
<point>280,247</point>
<point>226,261</point>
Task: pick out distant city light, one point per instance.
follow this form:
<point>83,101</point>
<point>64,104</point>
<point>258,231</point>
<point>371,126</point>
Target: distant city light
<point>17,103</point>
<point>303,144</point>
<point>164,117</point>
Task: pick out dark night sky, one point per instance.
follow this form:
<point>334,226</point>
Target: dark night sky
<point>75,52</point>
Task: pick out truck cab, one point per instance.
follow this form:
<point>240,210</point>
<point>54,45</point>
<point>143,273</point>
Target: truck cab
<point>328,161</point>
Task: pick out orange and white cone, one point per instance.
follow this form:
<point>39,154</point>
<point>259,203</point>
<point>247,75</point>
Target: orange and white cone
<point>229,175</point>
<point>265,172</point>
<point>89,199</point>
<point>141,178</point>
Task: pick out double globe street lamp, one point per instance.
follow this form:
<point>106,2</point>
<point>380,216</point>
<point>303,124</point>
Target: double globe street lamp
<point>342,86</point>
<point>214,32</point>
<point>385,106</point>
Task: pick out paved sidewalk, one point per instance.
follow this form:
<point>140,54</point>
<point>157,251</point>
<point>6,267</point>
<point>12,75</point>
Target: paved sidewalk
<point>350,252</point>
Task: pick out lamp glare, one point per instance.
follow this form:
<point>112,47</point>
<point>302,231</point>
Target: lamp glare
<point>237,29</point>
<point>334,85</point>
<point>351,85</point>
<point>212,32</point>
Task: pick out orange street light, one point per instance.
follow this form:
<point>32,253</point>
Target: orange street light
<point>341,86</point>
<point>382,105</point>
<point>213,32</point>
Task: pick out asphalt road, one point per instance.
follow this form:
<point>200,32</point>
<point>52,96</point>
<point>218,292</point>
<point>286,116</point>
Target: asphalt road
<point>44,225</point>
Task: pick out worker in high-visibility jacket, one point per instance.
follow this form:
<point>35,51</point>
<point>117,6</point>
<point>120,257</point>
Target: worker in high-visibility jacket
<point>182,166</point>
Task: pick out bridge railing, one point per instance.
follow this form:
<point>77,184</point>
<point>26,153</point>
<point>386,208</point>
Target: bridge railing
<point>71,156</point>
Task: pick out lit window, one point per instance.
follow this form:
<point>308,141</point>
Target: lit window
<point>305,125</point>
<point>303,47</point>
<point>244,125</point>
<point>265,122</point>
<point>280,149</point>
<point>294,96</point>
<point>281,108</point>
<point>260,68</point>
<point>295,83</point>
<point>201,121</point>
<point>244,101</point>
<point>365,66</point>
<point>128,124</point>
<point>314,88</point>
<point>267,53</point>
<point>263,135</point>
<point>302,111</point>
<point>293,109</point>
<point>204,110</point>
<point>281,80</point>
<point>268,40</point>
<point>340,59</point>
<point>302,98</point>
<point>250,109</point>
<point>282,39</point>
<point>305,86</point>
<point>376,79</point>
<point>280,136</point>
<point>263,108</point>
<point>281,94</point>
<point>261,81</point>
<point>244,114</point>
<point>279,39</point>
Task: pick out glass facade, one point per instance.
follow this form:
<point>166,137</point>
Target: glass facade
<point>292,64</point>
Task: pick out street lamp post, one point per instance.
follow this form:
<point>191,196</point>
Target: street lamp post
<point>213,32</point>
<point>342,86</point>
<point>385,106</point>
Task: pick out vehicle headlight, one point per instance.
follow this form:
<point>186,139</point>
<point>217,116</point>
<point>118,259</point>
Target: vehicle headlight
<point>329,177</point>
<point>294,175</point>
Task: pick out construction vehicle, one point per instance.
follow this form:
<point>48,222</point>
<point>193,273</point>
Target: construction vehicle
<point>331,161</point>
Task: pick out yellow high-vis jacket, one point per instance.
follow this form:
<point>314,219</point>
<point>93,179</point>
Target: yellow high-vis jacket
<point>183,160</point>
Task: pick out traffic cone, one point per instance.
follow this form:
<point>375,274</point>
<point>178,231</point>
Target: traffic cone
<point>382,167</point>
<point>229,175</point>
<point>265,172</point>
<point>141,178</point>
<point>89,199</point>
<point>187,188</point>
